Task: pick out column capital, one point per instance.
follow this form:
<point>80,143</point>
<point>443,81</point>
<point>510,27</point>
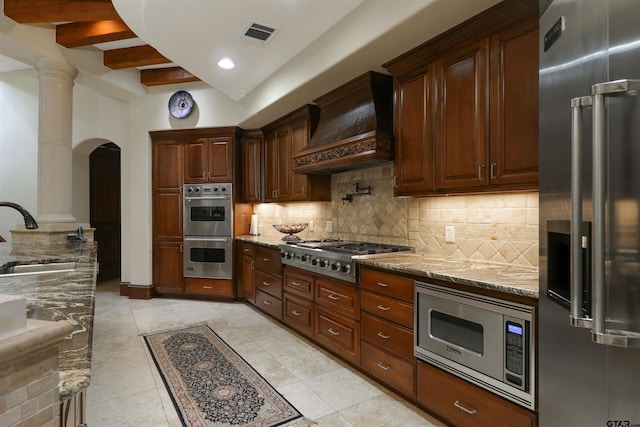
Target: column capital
<point>53,68</point>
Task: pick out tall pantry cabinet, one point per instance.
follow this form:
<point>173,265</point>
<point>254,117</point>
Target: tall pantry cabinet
<point>182,157</point>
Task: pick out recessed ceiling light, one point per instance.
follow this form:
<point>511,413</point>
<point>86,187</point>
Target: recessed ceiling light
<point>226,63</point>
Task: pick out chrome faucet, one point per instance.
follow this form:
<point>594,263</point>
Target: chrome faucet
<point>29,222</point>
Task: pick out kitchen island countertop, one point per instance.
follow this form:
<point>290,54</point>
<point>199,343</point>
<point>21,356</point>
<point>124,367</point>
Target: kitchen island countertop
<point>511,279</point>
<point>59,296</point>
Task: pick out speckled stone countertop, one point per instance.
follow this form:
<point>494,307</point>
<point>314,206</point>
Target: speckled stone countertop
<point>269,241</point>
<point>516,280</point>
<point>59,296</point>
<point>509,279</point>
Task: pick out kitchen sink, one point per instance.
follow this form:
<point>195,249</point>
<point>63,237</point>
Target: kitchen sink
<point>50,267</point>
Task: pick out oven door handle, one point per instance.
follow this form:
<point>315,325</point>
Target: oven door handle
<point>190,199</point>
<point>208,239</point>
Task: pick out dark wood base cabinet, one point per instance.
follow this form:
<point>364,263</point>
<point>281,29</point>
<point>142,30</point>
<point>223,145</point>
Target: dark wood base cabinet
<point>464,404</point>
<point>209,287</point>
<point>338,333</point>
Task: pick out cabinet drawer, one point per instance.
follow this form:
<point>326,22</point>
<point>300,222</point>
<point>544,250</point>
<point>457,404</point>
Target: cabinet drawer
<point>465,404</point>
<point>387,335</point>
<point>387,284</point>
<point>298,283</point>
<point>343,298</point>
<point>268,260</point>
<point>388,308</point>
<point>268,283</point>
<point>392,370</point>
<point>246,249</point>
<point>269,304</point>
<point>212,287</point>
<point>338,333</point>
<point>298,314</point>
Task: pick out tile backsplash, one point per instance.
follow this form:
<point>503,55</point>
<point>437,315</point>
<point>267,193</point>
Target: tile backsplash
<point>493,227</point>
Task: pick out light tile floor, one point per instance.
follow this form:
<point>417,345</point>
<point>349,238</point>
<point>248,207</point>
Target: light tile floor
<point>126,389</point>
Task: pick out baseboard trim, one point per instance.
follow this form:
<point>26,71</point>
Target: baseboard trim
<point>136,291</point>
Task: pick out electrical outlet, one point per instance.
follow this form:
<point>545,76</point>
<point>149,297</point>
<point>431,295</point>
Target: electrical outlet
<point>329,227</point>
<point>311,225</point>
<point>449,234</point>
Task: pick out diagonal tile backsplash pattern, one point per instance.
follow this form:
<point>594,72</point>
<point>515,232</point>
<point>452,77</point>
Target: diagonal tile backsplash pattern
<point>499,228</point>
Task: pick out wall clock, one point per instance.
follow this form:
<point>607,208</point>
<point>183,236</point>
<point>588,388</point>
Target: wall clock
<point>180,104</point>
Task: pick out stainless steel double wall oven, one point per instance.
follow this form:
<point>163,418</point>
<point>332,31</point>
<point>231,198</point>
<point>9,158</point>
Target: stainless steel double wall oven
<point>208,231</point>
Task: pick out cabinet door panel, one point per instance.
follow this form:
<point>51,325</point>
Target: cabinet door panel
<point>396,372</point>
<point>270,168</point>
<point>514,107</point>
<point>220,159</point>
<point>461,141</point>
<point>167,267</point>
<point>285,140</point>
<point>167,165</point>
<point>195,162</point>
<point>414,162</point>
<point>251,168</point>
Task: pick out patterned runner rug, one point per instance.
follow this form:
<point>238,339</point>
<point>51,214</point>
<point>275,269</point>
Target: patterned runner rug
<point>211,385</point>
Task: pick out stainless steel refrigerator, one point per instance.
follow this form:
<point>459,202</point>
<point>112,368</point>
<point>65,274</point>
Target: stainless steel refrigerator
<point>589,307</point>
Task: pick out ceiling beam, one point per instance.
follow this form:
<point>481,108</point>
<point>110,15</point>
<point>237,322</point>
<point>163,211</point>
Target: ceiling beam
<point>166,76</point>
<point>76,34</point>
<point>47,11</point>
<point>130,57</point>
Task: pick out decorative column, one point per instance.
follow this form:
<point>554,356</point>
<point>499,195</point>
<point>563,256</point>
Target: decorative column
<point>54,142</point>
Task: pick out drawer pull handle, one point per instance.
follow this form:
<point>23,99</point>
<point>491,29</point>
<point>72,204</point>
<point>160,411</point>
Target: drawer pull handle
<point>332,332</point>
<point>266,302</point>
<point>383,308</point>
<point>266,259</point>
<point>383,336</point>
<point>333,297</point>
<point>462,408</point>
<point>383,366</point>
<point>246,251</point>
<point>296,313</point>
<point>383,285</point>
<point>266,284</point>
<point>294,283</point>
<point>208,287</point>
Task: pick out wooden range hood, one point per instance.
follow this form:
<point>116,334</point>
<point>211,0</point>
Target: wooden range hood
<point>355,128</point>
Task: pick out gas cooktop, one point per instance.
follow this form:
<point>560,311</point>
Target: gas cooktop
<point>333,257</point>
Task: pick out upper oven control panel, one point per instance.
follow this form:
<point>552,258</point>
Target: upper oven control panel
<point>203,190</point>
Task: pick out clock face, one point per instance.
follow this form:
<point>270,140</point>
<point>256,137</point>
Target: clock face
<point>180,104</point>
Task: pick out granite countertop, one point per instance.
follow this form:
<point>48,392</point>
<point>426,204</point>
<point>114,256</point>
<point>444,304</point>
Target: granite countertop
<point>59,296</point>
<point>505,278</point>
<point>269,241</point>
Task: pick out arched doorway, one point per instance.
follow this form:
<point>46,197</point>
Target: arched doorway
<point>104,204</point>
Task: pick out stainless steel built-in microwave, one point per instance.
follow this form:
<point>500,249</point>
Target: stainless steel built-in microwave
<point>487,341</point>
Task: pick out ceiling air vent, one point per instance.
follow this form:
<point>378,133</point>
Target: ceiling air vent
<point>258,33</point>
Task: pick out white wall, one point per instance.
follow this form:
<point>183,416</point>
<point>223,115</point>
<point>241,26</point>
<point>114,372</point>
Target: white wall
<point>18,146</point>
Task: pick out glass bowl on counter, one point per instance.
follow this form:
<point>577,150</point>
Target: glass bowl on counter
<point>290,230</point>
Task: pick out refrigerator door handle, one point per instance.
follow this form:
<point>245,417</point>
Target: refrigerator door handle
<point>576,317</point>
<point>599,333</point>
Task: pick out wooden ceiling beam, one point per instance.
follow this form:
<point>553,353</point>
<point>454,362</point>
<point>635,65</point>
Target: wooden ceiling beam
<point>47,11</point>
<point>76,34</point>
<point>130,57</point>
<point>166,76</point>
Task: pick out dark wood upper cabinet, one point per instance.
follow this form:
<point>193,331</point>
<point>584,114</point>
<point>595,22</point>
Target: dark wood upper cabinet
<point>461,139</point>
<point>284,138</point>
<point>466,106</point>
<point>209,160</point>
<point>251,175</point>
<point>514,106</point>
<point>414,162</point>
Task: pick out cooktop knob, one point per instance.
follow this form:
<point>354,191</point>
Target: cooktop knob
<point>315,261</point>
<point>335,266</point>
<point>324,263</point>
<point>190,190</point>
<point>305,257</point>
<point>345,268</point>
<point>290,255</point>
